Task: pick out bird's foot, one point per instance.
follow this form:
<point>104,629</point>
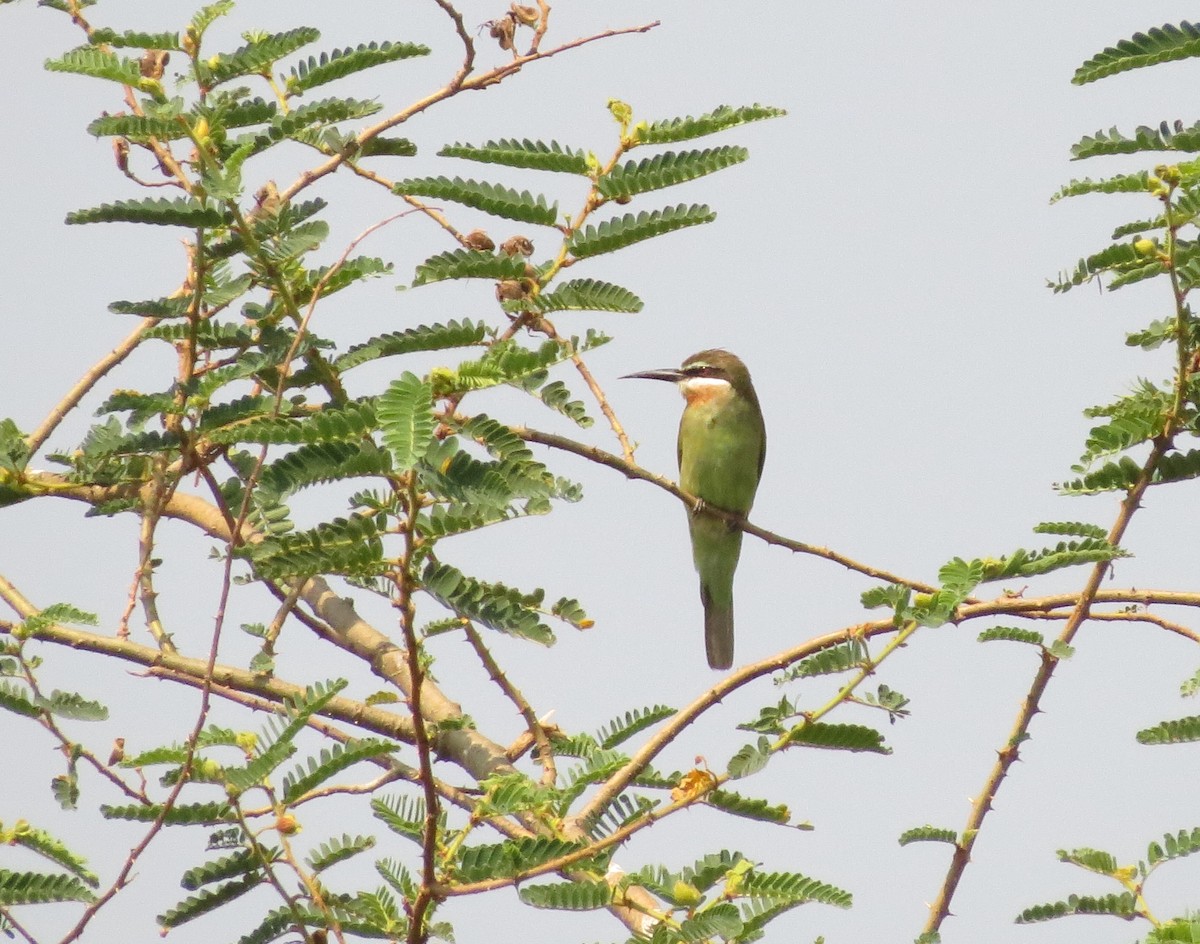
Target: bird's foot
<point>699,506</point>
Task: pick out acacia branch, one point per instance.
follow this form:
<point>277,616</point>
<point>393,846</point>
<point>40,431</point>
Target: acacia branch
<point>939,910</point>
<point>632,470</point>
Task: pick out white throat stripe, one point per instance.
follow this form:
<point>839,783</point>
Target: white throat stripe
<point>704,383</point>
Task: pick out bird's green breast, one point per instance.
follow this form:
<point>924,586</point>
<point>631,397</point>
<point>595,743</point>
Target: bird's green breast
<point>721,446</point>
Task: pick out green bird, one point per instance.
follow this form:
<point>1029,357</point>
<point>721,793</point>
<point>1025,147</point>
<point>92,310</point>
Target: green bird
<point>722,445</point>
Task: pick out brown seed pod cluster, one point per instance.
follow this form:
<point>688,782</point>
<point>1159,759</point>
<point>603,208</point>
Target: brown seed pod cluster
<point>504,29</point>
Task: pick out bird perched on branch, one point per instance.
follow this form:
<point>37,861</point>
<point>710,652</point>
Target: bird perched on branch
<point>722,445</point>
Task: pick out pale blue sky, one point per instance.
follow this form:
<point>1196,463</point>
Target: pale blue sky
<point>879,263</point>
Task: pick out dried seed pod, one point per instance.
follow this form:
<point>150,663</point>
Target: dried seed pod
<point>511,289</point>
<point>502,30</point>
<point>266,200</point>
<point>478,239</point>
<point>526,16</point>
<point>152,64</point>
<point>517,246</point>
<point>120,148</point>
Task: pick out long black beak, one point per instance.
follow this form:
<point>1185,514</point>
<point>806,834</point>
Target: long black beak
<point>669,374</point>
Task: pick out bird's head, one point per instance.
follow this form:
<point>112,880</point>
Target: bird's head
<point>709,374</point>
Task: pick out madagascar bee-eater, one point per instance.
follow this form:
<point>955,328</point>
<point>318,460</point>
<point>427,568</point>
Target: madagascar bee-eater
<point>722,445</point>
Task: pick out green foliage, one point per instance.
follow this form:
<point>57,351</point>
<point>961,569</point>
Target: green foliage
<point>98,64</point>
<point>494,605</point>
<point>350,546</point>
<point>469,264</point>
<point>1174,846</point>
<point>1122,906</point>
<point>491,198</point>
<point>582,295</point>
<point>1163,138</point>
<point>438,337</point>
<point>720,119</point>
<point>749,807</point>
<point>626,230</point>
<point>633,722</point>
<point>329,854</point>
<point>405,414</point>
<point>928,834</point>
<point>74,706</point>
<point>1162,44</point>
<point>568,896</point>
<point>1179,731</point>
<point>54,850</point>
<point>207,901</point>
<point>328,67</point>
<point>667,170</point>
<point>1012,634</point>
<point>535,155</point>
<point>506,859</point>
<point>838,737</point>
<point>750,759</point>
<point>331,762</point>
<point>181,211</point>
<point>840,658</point>
<point>257,56</point>
<point>30,888</point>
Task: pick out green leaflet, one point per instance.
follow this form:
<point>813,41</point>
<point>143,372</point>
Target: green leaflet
<point>928,834</point>
<point>469,264</point>
<point>257,56</point>
<point>1120,257</point>
<point>628,229</point>
<point>1178,731</point>
<point>330,66</point>
<point>350,546</point>
<point>581,295</point>
<point>240,863</point>
<point>194,906</point>
<point>316,463</point>
<point>1122,906</point>
<point>719,119</point>
<point>436,337</point>
<point>479,863</point>
<point>29,888</point>
<point>381,146</point>
<point>491,198</point>
<point>535,155</point>
<point>405,413</point>
<point>1161,44</point>
<point>1118,183</point>
<point>568,896</point>
<point>494,605</point>
<point>1174,846</point>
<point>329,763</point>
<point>749,807</point>
<point>840,737</point>
<point>337,850</point>
<point>180,211</point>
<point>99,64</point>
<point>632,722</point>
<point>110,37</point>
<point>74,706</point>
<point>667,170</point>
<point>1145,138</point>
<point>1012,634</point>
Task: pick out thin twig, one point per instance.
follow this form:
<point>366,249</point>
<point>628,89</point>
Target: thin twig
<point>513,694</point>
<point>85,383</point>
<point>633,471</point>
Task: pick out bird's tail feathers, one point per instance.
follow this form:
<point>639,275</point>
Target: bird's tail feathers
<point>718,631</point>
